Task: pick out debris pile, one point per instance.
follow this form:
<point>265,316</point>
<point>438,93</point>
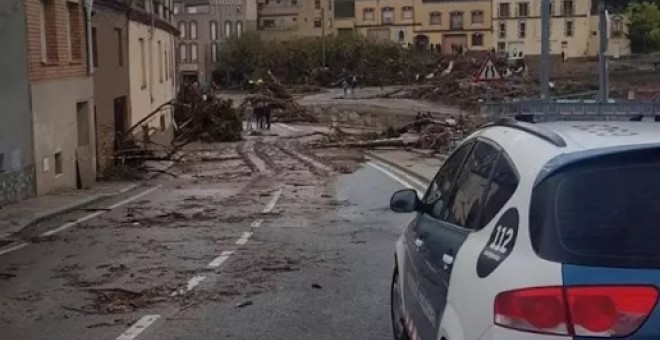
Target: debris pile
<point>276,97</point>
<point>209,119</point>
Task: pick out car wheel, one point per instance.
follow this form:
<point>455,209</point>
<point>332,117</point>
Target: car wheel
<point>396,306</point>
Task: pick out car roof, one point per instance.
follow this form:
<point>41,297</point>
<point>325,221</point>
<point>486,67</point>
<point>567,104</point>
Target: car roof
<point>531,146</point>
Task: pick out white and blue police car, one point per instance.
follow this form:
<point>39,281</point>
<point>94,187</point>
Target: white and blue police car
<point>545,231</point>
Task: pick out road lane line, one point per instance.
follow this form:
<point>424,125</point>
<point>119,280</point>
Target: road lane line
<point>221,259</point>
<point>396,178</point>
<point>138,327</point>
<point>195,281</point>
<point>244,238</point>
<point>86,218</point>
<point>409,179</point>
<point>257,223</point>
<point>14,248</point>
<point>273,201</point>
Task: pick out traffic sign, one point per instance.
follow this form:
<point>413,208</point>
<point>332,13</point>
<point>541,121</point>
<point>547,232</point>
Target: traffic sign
<point>488,71</point>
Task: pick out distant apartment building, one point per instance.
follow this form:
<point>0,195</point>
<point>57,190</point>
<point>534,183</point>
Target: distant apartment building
<point>203,27</point>
<point>285,19</point>
<point>133,59</point>
<point>573,28</point>
<point>17,168</point>
<point>61,95</point>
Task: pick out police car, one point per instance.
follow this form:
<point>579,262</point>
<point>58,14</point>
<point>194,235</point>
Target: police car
<point>535,231</point>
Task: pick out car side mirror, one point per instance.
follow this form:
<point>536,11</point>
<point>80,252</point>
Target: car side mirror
<point>405,201</point>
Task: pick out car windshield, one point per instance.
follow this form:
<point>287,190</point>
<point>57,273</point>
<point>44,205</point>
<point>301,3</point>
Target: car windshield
<point>606,209</point>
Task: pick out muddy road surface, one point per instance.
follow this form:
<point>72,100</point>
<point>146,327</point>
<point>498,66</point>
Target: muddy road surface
<point>262,239</point>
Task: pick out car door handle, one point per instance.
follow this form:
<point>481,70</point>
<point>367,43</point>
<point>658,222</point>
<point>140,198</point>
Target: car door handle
<point>448,260</point>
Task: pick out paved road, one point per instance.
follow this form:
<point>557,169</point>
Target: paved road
<point>301,240</point>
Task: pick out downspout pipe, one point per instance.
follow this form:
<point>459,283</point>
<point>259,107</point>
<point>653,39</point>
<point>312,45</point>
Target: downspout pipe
<point>89,6</point>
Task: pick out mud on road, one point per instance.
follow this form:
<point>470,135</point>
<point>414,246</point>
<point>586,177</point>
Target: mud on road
<point>141,258</point>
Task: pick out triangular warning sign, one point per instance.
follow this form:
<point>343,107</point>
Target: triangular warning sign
<point>488,71</point>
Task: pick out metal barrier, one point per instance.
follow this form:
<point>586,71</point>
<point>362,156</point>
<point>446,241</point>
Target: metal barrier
<point>575,110</point>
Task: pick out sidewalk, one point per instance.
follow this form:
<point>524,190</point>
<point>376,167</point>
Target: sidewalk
<point>417,163</point>
<point>16,216</point>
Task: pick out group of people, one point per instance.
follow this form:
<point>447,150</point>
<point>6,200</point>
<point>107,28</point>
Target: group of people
<point>349,84</point>
<point>261,113</point>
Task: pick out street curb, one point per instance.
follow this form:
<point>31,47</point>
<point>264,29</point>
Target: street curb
<point>39,217</point>
<point>398,167</point>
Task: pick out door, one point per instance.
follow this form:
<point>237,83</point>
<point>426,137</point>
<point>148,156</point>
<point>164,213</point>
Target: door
<point>443,232</point>
<point>120,120</point>
<point>452,41</point>
<point>418,303</point>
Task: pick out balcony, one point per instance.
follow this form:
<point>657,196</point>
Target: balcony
<point>290,27</point>
<point>279,10</point>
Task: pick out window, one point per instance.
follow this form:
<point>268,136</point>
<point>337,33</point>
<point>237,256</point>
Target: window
<point>317,22</point>
<point>477,17</point>
<point>214,30</point>
<point>440,189</point>
<point>503,11</point>
<point>176,9</point>
<point>387,15</point>
<point>95,48</point>
<point>368,14</point>
<point>193,30</point>
<point>501,47</point>
<point>523,9</point>
<point>162,123</point>
<point>182,30</point>
<point>47,24</point>
<point>266,23</point>
<point>522,30</point>
<point>143,63</point>
<point>239,28</point>
<point>167,65</point>
<point>503,184</point>
<point>501,33</point>
<point>456,20</point>
<point>317,4</point>
<point>567,8</point>
<point>617,27</point>
<point>228,27</point>
<point>183,53</point>
<point>191,9</point>
<point>160,61</point>
<point>408,12</point>
<point>193,53</point>
<point>330,4</point>
<point>214,52</point>
<point>120,47</point>
<point>477,39</point>
<point>569,28</point>
<point>435,18</point>
<point>75,31</point>
<point>471,185</point>
<point>59,167</point>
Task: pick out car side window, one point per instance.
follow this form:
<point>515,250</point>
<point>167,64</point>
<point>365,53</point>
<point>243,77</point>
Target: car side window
<point>503,184</point>
<point>441,186</point>
<point>464,208</point>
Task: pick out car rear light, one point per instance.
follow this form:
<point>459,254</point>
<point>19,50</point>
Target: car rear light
<point>603,311</point>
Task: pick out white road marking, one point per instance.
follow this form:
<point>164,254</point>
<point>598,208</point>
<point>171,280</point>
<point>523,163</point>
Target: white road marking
<point>244,238</point>
<point>196,280</point>
<point>400,173</point>
<point>68,225</point>
<point>221,259</point>
<point>396,178</point>
<point>273,201</point>
<point>257,223</point>
<point>289,127</point>
<point>138,327</point>
<point>14,248</point>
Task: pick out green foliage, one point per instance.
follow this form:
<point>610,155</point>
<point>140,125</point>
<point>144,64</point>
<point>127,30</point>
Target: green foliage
<point>300,61</point>
<point>644,27</point>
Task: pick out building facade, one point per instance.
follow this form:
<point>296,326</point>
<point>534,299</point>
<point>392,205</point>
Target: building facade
<point>286,19</point>
<point>61,95</point>
<point>204,25</point>
<point>16,157</point>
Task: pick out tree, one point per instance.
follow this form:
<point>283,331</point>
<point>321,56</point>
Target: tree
<point>644,26</point>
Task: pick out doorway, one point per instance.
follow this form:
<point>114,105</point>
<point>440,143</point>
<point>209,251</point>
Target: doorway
<point>84,155</point>
<point>120,121</point>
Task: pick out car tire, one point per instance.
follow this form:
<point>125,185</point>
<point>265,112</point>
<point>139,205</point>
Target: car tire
<point>396,309</point>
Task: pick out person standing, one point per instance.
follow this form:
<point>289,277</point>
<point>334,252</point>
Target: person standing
<point>267,116</point>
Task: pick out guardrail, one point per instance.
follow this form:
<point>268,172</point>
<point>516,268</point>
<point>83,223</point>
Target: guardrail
<point>582,110</point>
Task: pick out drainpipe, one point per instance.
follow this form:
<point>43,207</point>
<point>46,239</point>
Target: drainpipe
<point>89,4</point>
<point>151,50</point>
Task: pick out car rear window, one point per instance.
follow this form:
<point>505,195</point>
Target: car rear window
<point>603,211</point>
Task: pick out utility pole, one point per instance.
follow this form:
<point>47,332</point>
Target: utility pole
<point>323,23</point>
<point>545,49</point>
<point>603,81</point>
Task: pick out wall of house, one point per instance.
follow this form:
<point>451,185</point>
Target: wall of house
<point>17,163</point>
<point>150,86</point>
<point>618,44</point>
<point>295,21</point>
<point>111,80</point>
<point>59,82</point>
<point>575,46</point>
